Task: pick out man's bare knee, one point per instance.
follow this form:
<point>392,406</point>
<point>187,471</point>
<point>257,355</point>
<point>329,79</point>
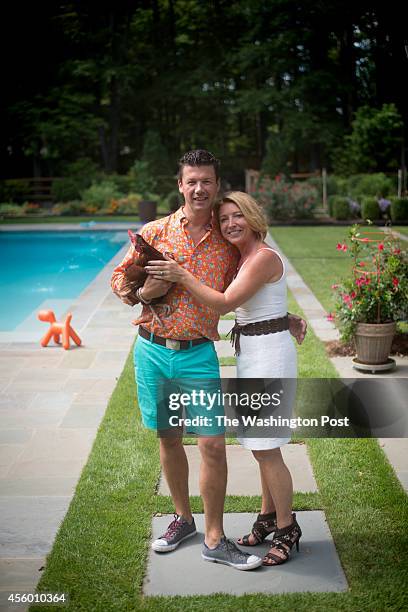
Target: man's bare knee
<point>212,449</point>
<point>169,443</point>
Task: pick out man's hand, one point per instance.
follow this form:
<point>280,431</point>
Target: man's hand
<point>154,288</point>
<point>297,327</point>
<point>126,295</point>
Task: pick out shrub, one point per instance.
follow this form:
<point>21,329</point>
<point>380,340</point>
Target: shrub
<point>125,206</point>
<point>78,175</point>
<point>370,208</point>
<point>83,168</point>
<point>336,185</point>
<point>100,195</point>
<point>399,209</point>
<point>339,207</point>
<point>375,141</point>
<point>65,209</point>
<point>31,208</point>
<point>66,189</point>
<point>122,182</point>
<point>141,179</point>
<point>285,200</point>
<point>14,190</point>
<point>173,200</point>
<point>377,184</point>
<point>9,209</point>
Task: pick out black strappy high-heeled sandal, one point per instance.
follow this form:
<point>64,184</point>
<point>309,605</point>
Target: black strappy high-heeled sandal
<point>264,525</point>
<point>283,541</point>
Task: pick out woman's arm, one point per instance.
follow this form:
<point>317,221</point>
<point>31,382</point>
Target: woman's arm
<point>264,267</point>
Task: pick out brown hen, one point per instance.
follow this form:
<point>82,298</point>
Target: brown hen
<point>136,275</point>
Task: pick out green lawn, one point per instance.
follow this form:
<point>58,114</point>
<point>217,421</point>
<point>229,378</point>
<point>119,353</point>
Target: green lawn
<point>312,251</point>
<point>402,229</point>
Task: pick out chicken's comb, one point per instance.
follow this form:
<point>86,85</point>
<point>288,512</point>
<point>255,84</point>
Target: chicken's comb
<point>134,241</point>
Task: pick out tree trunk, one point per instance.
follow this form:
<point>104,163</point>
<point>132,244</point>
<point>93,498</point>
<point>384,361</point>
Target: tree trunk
<point>347,60</point>
<point>114,121</point>
<point>104,148</point>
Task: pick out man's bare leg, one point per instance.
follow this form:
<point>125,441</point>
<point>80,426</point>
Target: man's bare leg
<point>213,484</point>
<point>175,467</point>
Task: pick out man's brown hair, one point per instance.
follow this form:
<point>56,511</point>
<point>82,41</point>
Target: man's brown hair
<point>199,157</point>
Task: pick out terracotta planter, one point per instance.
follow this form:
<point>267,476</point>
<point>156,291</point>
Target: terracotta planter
<point>373,342</point>
<point>147,210</point>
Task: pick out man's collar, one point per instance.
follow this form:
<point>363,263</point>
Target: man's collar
<point>184,220</point>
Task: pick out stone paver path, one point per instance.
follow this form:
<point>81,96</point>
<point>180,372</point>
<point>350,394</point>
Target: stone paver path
<point>51,404</point>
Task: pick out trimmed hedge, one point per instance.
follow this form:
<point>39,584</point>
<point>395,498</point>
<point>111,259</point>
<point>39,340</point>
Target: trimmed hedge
<point>370,208</point>
<point>339,207</point>
<point>399,209</point>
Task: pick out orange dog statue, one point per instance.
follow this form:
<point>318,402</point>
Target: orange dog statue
<point>58,329</point>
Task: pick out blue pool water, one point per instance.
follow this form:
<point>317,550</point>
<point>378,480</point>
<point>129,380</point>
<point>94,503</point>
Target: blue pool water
<point>39,266</point>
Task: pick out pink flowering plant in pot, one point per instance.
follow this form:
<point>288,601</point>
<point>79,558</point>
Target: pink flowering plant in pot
<point>376,291</point>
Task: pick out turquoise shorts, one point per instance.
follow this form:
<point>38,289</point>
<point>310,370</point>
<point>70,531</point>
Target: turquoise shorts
<point>163,375</point>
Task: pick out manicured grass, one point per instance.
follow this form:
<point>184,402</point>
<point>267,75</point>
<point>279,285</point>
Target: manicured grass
<point>228,361</point>
<point>312,251</point>
<point>224,337</point>
<point>402,229</point>
<point>312,359</point>
<point>229,316</point>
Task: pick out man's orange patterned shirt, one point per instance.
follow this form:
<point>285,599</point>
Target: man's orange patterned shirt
<point>213,261</point>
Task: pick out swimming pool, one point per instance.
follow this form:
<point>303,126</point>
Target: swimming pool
<point>37,266</point>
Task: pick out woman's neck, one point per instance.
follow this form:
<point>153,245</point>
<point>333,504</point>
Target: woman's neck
<point>249,248</point>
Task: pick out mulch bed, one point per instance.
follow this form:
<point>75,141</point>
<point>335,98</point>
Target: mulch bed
<point>336,348</point>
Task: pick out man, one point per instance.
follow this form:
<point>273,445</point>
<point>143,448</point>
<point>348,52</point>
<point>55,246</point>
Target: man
<point>181,346</point>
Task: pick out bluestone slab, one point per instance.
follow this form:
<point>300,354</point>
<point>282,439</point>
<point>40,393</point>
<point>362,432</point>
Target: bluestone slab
<point>316,568</point>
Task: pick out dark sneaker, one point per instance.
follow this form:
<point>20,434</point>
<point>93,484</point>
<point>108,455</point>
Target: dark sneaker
<point>177,531</point>
<point>228,553</point>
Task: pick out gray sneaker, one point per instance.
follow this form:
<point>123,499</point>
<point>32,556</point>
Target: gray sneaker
<point>228,553</point>
<point>177,531</point>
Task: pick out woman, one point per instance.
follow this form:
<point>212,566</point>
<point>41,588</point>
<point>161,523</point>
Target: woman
<point>258,296</point>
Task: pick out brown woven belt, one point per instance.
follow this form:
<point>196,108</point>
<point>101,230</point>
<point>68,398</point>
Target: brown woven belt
<point>260,328</point>
<point>175,345</point>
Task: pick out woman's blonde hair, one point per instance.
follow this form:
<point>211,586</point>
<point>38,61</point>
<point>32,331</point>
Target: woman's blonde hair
<point>252,211</point>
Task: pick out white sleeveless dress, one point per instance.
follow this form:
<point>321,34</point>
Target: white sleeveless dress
<point>269,355</point>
